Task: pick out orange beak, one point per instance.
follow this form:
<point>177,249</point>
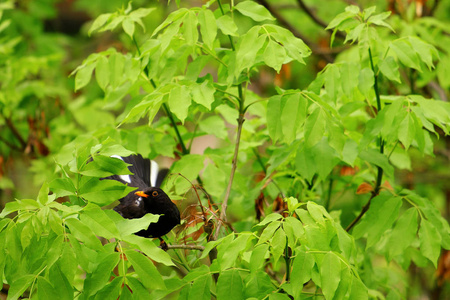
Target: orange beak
<point>141,193</point>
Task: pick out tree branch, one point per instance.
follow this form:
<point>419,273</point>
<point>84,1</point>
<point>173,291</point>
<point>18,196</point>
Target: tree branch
<point>223,214</point>
<point>376,190</point>
<point>314,47</point>
<point>312,15</point>
<point>16,133</point>
<point>186,247</point>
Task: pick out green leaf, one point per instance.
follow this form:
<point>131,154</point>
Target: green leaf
<point>130,226</point>
<point>203,93</point>
<point>103,192</point>
<point>208,27</point>
<point>382,213</point>
<point>379,20</point>
<point>349,78</point>
<point>10,207</point>
<point>226,24</point>
<point>274,55</point>
<point>100,276</point>
<point>430,241</point>
<point>269,219</point>
<point>19,286</point>
<point>200,289</point>
<point>406,53</point>
<point>404,232</point>
<point>229,285</point>
<point>426,52</point>
<point>112,290</point>
<point>349,13</point>
<point>83,76</point>
<point>96,219</point>
<point>274,122</point>
<point>257,260</point>
<point>228,252</point>
<point>254,10</point>
<point>358,290</point>
<point>366,80</point>
<point>190,28</point>
<point>116,69</point>
<point>43,194</point>
<point>128,27</point>
<point>332,81</point>
<point>214,125</point>
<point>295,47</point>
<point>406,131</point>
<point>294,115</point>
<point>148,247</point>
<point>305,163</point>
<point>315,127</point>
<point>83,233</point>
<point>268,232</point>
<point>301,270</point>
<point>179,101</point>
<point>99,22</point>
<point>278,244</point>
<point>45,290</point>
<point>189,166</point>
<point>258,285</point>
<point>330,274</point>
<point>389,68</point>
<point>147,272</point>
<point>374,157</point>
<point>102,72</point>
<point>248,46</point>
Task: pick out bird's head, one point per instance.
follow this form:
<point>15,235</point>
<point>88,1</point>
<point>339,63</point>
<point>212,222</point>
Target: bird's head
<point>152,194</point>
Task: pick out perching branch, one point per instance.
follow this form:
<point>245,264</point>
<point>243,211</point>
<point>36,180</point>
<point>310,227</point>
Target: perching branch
<point>381,144</point>
<point>186,247</point>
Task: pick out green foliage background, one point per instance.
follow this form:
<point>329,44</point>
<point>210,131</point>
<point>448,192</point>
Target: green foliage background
<point>327,168</point>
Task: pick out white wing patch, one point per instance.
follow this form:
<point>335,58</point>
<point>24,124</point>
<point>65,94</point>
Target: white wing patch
<point>154,168</point>
<point>125,178</point>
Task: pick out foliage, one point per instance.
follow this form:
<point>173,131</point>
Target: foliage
<point>328,156</point>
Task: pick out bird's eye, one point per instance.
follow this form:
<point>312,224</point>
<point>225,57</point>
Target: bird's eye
<point>155,193</point>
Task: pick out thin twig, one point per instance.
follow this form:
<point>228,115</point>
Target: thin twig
<point>311,14</point>
<point>186,247</point>
<point>314,47</point>
<point>223,214</point>
<point>381,142</point>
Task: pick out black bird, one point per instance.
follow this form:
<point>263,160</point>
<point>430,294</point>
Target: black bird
<point>149,199</point>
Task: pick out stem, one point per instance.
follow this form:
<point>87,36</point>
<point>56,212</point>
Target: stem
<point>381,144</point>
<point>240,120</point>
<point>166,108</point>
<point>287,259</point>
<point>223,214</point>
<point>330,190</point>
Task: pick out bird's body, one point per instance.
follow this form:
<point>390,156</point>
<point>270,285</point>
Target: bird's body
<point>149,198</point>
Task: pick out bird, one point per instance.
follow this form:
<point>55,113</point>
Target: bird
<point>149,198</point>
